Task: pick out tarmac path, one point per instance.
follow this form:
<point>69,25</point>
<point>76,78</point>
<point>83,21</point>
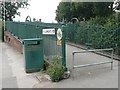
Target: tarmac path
<point>8,80</point>
<point>101,76</point>
<point>13,74</point>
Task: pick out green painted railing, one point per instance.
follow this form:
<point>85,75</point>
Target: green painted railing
<point>26,30</point>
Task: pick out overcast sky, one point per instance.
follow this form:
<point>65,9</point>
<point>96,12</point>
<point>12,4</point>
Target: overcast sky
<point>40,9</point>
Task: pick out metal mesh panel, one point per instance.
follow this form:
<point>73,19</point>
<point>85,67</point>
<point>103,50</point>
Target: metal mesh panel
<point>23,30</point>
<point>95,36</point>
<point>51,49</point>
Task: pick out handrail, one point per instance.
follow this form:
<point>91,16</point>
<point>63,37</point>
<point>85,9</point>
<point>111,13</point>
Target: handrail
<point>93,50</point>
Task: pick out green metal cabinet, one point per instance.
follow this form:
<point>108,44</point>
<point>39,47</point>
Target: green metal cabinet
<point>33,54</point>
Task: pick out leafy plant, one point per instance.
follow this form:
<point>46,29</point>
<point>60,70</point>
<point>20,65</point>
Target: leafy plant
<point>55,70</point>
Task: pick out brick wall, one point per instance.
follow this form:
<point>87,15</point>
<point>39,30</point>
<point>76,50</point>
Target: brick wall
<point>10,39</point>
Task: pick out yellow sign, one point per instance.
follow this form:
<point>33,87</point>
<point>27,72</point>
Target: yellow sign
<point>59,42</point>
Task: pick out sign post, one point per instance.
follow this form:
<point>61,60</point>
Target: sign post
<point>63,48</point>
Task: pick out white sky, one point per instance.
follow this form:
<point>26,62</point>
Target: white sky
<point>40,9</point>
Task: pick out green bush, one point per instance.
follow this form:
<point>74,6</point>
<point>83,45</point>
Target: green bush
<point>97,20</point>
<point>98,36</point>
<point>55,70</point>
<point>98,32</point>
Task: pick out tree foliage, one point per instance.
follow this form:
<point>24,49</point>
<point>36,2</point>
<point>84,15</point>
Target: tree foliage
<point>82,10</point>
<point>63,11</point>
<point>10,9</point>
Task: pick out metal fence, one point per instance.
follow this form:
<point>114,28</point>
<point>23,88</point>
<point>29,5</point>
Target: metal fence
<point>25,30</point>
<point>95,36</point>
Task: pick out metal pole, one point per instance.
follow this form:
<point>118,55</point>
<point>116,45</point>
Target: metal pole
<point>73,61</point>
<point>112,59</point>
<point>3,20</point>
<point>63,48</point>
<point>73,64</point>
<point>79,66</point>
<point>94,50</point>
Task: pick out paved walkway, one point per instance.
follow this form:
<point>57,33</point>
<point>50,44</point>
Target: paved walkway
<point>13,74</point>
<point>100,76</point>
<point>0,65</point>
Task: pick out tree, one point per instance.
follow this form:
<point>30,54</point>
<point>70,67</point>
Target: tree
<point>63,11</point>
<point>82,10</point>
<point>102,9</point>
<point>10,9</point>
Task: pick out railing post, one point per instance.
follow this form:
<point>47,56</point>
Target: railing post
<point>73,64</point>
<point>112,59</point>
